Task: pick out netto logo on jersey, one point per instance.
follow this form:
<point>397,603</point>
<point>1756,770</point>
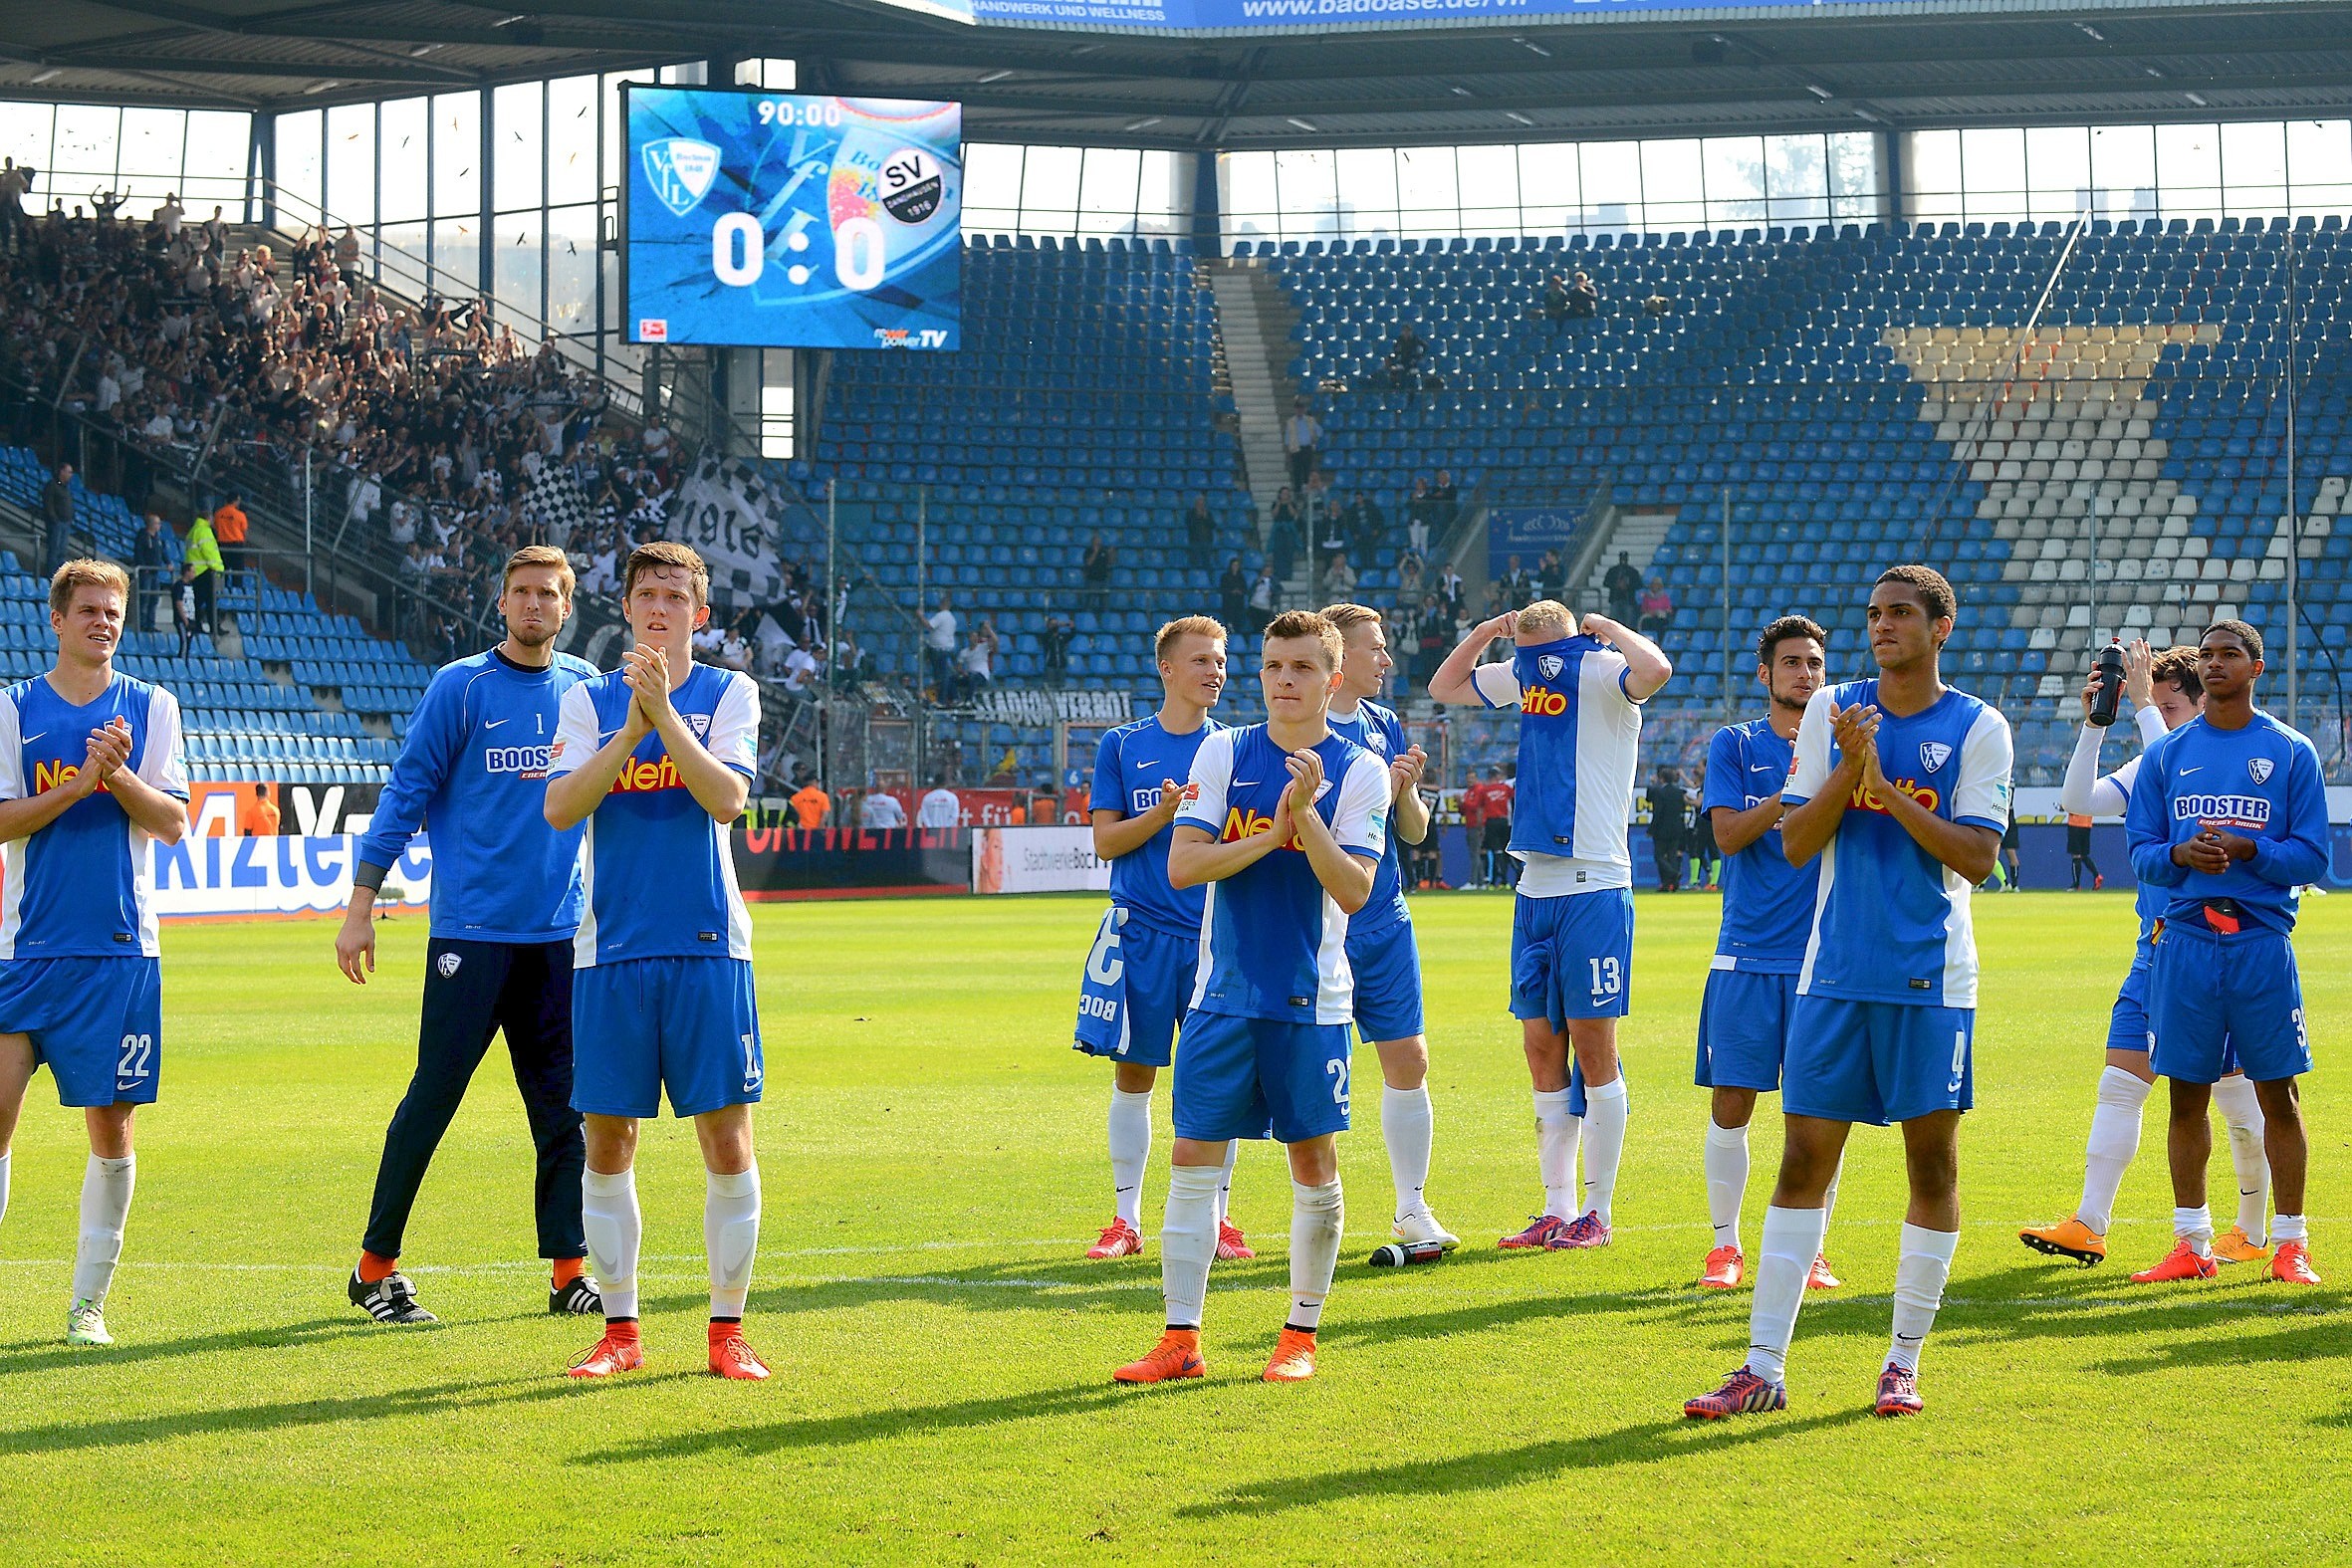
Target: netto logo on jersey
<point>1544,701</point>
<point>637,776</point>
<point>1865,799</point>
<point>48,776</point>
<point>531,761</point>
<point>1240,824</point>
<point>2233,810</point>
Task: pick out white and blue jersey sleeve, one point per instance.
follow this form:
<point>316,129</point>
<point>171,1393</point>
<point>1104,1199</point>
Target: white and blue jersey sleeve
<point>1131,764</point>
<point>472,775</point>
<point>1273,944</point>
<point>1891,921</point>
<point>82,886</point>
<point>1378,731</point>
<point>657,870</point>
<point>1768,904</point>
<point>2261,782</point>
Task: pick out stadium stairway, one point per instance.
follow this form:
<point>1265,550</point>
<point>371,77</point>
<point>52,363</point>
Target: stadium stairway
<point>1255,320</point>
<point>290,693</point>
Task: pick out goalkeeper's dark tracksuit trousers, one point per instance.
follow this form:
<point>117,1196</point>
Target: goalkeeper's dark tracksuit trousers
<point>473,991</point>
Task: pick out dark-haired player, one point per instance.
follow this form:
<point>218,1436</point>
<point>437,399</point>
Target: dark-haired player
<point>2230,817</point>
<point>1767,917</point>
<point>2164,693</point>
<point>1901,787</point>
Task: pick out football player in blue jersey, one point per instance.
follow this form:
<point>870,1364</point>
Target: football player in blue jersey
<point>657,759</point>
<point>1578,691</point>
<point>1767,917</point>
<point>505,908</point>
<point>1284,828</point>
<point>2230,817</point>
<point>90,771</point>
<point>1381,951</point>
<point>2166,694</point>
<point>1901,789</point>
<point>1139,973</point>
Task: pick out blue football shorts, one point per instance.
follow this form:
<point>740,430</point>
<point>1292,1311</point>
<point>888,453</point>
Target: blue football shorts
<point>2217,1002</point>
<point>1386,963</point>
<point>98,1023</point>
<point>1259,1077</point>
<point>1743,1028</point>
<point>1877,1061</point>
<point>1571,957</point>
<point>688,1026</point>
<point>1159,971</point>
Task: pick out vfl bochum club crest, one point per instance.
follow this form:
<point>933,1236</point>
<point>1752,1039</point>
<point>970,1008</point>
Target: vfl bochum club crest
<point>680,169</point>
<point>449,965</point>
<point>1932,755</point>
<point>1550,666</point>
<point>2258,769</point>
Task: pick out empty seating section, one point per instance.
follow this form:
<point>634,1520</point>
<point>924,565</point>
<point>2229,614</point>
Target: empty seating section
<point>1081,401</point>
<point>258,716</point>
<point>1868,396</point>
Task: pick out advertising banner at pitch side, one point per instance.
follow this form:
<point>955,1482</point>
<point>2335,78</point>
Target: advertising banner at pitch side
<point>223,877</point>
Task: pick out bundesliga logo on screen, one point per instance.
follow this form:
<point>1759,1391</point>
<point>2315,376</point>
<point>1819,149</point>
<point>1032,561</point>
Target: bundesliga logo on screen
<point>680,169</point>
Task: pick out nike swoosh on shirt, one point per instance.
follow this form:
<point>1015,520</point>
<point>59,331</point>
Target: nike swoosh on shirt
<point>1243,783</point>
<point>2185,771</point>
<point>30,739</point>
<point>492,724</point>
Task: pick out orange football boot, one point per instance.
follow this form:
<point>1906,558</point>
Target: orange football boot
<point>1177,1355</point>
<point>1819,1277</point>
<point>1293,1357</point>
<point>1120,1240</point>
<point>1232,1245</point>
<point>2069,1237</point>
<point>2292,1264</point>
<point>2233,1245</point>
<point>2182,1263</point>
<point>618,1351</point>
<point>732,1358</point>
<point>1724,1270</point>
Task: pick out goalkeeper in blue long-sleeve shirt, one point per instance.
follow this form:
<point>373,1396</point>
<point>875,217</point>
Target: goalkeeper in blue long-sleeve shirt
<point>506,905</point>
<point>2229,815</point>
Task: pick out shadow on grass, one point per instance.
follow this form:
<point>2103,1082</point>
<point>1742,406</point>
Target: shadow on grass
<point>430,1400</point>
<point>877,1425</point>
<point>317,1331</point>
<point>1645,1444</point>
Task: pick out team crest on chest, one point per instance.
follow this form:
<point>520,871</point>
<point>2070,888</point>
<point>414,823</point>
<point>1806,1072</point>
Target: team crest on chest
<point>2258,769</point>
<point>1932,755</point>
<point>699,723</point>
<point>1549,665</point>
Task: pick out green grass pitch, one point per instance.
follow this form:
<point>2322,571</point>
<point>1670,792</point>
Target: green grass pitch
<point>932,1154</point>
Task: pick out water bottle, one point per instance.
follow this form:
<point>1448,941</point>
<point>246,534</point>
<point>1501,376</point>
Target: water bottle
<point>1402,1254</point>
<point>2109,696</point>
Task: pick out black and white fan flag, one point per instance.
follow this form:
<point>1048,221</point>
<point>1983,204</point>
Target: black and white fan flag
<point>733,515</point>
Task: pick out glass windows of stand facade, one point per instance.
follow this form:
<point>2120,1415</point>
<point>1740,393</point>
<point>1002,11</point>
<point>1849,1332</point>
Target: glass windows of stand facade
<point>2247,169</point>
<point>85,151</point>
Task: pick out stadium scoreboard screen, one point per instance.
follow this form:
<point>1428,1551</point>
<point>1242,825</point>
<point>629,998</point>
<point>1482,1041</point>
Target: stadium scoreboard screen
<point>780,220</point>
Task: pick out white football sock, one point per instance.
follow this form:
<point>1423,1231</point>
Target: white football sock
<point>1130,1151</point>
<point>2289,1228</point>
<point>1188,1240</point>
<point>1407,1122</point>
<point>1555,1152</point>
<point>2195,1226</point>
<point>2241,1110</point>
<point>731,1236</point>
<point>1921,1268</point>
<point>4,1159</point>
<point>1604,1144</point>
<point>1726,1159</point>
<point>615,1230</point>
<point>105,1206</point>
<point>1318,1217</point>
<point>2114,1140</point>
<point>1784,1259</point>
<point>1233,1152</point>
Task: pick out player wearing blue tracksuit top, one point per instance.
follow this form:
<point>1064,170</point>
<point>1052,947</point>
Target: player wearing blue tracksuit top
<point>90,773</point>
<point>506,900</point>
<point>2230,817</point>
<point>1578,690</point>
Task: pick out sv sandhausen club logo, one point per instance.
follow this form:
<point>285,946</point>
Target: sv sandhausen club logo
<point>680,170</point>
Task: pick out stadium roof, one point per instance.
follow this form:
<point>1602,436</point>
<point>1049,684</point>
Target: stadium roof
<point>1754,69</point>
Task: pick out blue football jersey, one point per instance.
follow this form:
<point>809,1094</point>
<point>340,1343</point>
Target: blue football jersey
<point>473,774</point>
<point>2261,782</point>
<point>1891,921</point>
<point>660,870</point>
<point>1273,943</point>
<point>1378,731</point>
<point>80,887</point>
<point>1578,732</point>
<point>1131,764</point>
<point>1768,904</point>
